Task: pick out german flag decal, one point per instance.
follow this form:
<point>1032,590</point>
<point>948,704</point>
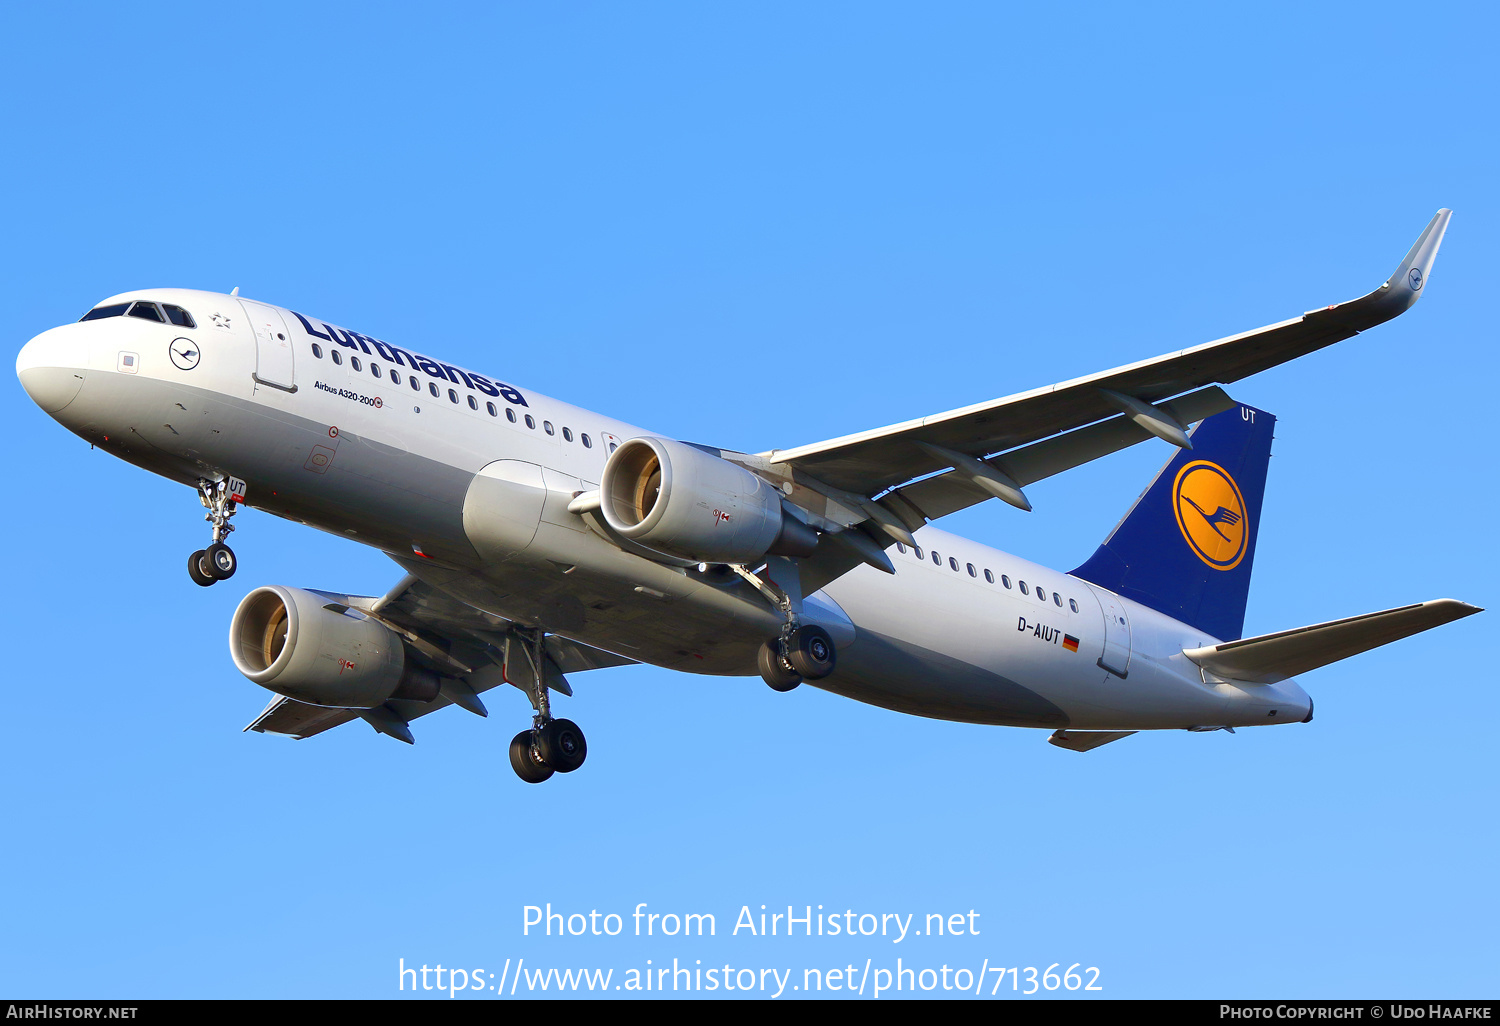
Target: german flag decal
<point>1070,643</point>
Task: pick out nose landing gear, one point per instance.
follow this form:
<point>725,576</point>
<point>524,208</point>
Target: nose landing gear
<point>217,562</point>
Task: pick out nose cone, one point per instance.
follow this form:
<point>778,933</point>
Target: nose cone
<point>51,369</point>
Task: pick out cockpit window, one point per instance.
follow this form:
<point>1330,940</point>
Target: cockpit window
<point>178,316</point>
<point>98,312</point>
<point>148,312</point>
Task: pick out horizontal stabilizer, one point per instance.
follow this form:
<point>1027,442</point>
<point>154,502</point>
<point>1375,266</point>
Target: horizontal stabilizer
<point>1086,740</point>
<point>1276,657</point>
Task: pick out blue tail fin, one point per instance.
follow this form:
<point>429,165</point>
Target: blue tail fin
<point>1187,545</point>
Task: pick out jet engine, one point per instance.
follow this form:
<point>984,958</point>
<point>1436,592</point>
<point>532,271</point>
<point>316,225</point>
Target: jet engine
<point>288,641</point>
<point>677,499</point>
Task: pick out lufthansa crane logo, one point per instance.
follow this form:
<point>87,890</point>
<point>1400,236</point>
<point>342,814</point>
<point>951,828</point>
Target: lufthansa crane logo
<point>1211,514</point>
<point>184,353</point>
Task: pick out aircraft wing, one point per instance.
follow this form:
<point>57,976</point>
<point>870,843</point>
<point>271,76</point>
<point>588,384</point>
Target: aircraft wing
<point>465,644</point>
<point>1034,434</point>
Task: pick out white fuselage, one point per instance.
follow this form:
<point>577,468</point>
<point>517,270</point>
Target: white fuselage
<point>475,503</point>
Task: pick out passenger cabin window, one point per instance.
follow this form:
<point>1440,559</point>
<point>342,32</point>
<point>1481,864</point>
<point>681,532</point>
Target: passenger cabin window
<point>917,549</point>
<point>972,571</point>
<point>936,558</point>
<point>901,548</point>
<point>510,414</point>
<point>338,357</point>
<point>989,577</point>
<point>1056,599</point>
<point>147,312</point>
<point>434,390</point>
<point>473,403</point>
<point>375,369</point>
<point>491,408</point>
<point>953,564</point>
<point>1005,580</point>
<point>1041,595</point>
<point>585,440</point>
<point>416,386</point>
<point>1073,605</point>
<point>567,434</point>
<point>1024,589</point>
<point>101,312</point>
<point>547,426</point>
<point>395,378</point>
<point>354,362</point>
<point>178,316</point>
<point>317,351</point>
<point>530,422</point>
<point>452,396</point>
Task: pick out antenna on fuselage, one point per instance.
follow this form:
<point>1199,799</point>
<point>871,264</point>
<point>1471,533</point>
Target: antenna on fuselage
<point>234,291</point>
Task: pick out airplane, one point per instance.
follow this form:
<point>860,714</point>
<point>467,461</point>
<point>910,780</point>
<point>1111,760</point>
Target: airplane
<point>540,540</point>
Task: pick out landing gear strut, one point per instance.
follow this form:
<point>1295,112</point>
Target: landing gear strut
<point>802,651</point>
<point>550,746</point>
<point>217,562</point>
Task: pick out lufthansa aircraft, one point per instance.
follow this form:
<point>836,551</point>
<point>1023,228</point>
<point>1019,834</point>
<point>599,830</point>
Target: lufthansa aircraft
<point>540,539</point>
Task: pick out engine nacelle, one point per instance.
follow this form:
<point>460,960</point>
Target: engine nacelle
<point>680,500</point>
<point>285,640</point>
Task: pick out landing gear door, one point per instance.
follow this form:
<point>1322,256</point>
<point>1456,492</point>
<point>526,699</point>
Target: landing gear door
<point>1116,657</point>
<point>273,346</point>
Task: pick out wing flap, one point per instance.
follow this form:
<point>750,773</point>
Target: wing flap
<point>1276,657</point>
<point>948,493</point>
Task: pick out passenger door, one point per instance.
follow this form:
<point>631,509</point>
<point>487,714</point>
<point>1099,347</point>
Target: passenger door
<point>273,346</point>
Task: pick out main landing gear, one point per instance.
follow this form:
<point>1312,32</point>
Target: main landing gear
<point>801,653</point>
<point>217,562</point>
<point>550,746</point>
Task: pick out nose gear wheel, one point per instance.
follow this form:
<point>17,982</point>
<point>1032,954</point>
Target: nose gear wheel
<point>217,562</point>
<point>198,569</point>
<point>221,561</point>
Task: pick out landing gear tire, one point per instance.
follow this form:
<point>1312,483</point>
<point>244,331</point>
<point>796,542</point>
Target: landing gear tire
<point>524,761</point>
<point>198,569</point>
<point>810,652</point>
<point>220,561</point>
<point>774,670</point>
<point>561,745</point>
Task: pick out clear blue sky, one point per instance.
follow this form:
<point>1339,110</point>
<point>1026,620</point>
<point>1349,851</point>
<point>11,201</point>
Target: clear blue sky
<point>760,226</point>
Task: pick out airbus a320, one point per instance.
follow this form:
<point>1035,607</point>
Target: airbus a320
<point>541,540</point>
